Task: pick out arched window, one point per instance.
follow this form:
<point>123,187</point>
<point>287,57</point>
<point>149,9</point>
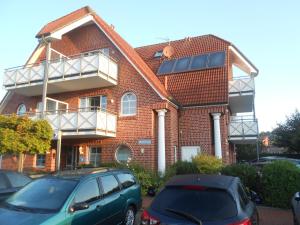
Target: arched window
<point>123,154</point>
<point>21,110</point>
<point>128,104</point>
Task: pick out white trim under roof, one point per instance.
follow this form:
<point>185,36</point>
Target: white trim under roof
<point>60,32</point>
<point>241,57</point>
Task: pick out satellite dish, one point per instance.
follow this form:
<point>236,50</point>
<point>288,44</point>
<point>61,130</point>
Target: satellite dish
<point>168,51</point>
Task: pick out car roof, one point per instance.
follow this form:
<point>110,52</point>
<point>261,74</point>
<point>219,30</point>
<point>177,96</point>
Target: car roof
<point>212,181</point>
<point>80,174</point>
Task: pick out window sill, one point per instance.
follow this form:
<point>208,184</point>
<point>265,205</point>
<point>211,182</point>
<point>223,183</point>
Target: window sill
<point>128,117</point>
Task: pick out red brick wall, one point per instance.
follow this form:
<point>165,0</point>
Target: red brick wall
<point>194,123</point>
<point>196,129</point>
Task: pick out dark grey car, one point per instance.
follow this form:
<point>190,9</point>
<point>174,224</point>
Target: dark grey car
<point>10,182</point>
<point>202,199</point>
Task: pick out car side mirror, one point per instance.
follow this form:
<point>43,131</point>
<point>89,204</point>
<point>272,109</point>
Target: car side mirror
<point>79,206</point>
<point>297,196</point>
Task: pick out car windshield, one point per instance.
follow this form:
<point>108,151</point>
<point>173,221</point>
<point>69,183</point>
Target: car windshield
<point>45,194</point>
<point>206,204</point>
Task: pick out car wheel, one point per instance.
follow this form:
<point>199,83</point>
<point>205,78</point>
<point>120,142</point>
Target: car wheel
<point>129,216</point>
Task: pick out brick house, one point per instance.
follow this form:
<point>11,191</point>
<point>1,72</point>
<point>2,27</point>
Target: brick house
<point>108,101</point>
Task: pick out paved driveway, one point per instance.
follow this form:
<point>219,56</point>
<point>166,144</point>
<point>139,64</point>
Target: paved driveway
<point>267,215</point>
<point>274,216</point>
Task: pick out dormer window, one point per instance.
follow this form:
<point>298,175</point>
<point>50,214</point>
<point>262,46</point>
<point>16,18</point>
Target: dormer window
<point>158,54</point>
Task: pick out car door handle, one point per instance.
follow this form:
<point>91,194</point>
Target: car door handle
<point>98,207</point>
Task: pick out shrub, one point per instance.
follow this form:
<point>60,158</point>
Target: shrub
<point>280,180</point>
<point>207,164</point>
<point>180,167</point>
<point>246,173</point>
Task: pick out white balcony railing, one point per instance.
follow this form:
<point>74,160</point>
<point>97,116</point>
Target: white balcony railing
<point>241,126</point>
<point>59,70</point>
<point>241,85</point>
<point>81,122</point>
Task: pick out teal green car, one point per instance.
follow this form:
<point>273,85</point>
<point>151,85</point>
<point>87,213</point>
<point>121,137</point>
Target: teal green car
<point>81,197</point>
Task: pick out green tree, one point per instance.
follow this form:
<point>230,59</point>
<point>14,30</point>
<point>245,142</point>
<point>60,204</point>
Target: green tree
<point>21,135</point>
<point>287,134</point>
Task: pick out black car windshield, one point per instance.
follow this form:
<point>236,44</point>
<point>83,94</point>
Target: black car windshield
<point>47,194</point>
<point>205,204</point>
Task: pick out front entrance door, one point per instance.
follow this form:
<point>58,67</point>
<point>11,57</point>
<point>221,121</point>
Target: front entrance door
<point>72,157</point>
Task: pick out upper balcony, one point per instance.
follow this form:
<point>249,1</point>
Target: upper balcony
<point>81,123</point>
<point>243,130</point>
<point>85,71</point>
<point>241,94</point>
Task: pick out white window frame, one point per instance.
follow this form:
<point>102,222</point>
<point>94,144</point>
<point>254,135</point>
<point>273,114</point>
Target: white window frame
<point>122,101</point>
<point>117,150</point>
<point>86,106</point>
<point>19,107</point>
<point>36,161</point>
<point>99,155</point>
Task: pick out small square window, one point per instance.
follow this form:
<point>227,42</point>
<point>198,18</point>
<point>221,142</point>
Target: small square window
<point>158,54</point>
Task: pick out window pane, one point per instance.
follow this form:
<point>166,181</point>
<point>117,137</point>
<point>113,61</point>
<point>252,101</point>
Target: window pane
<point>21,109</point>
<point>48,194</point>
<point>3,184</point>
<point>87,192</point>
<point>129,104</point>
<point>126,179</point>
<point>179,198</point>
<point>40,160</point>
<point>17,180</point>
<point>109,184</point>
<point>123,154</point>
<point>216,59</point>
<point>199,62</point>
<point>95,156</point>
<point>166,67</point>
<point>103,102</point>
<point>182,64</point>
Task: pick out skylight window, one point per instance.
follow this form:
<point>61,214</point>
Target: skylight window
<point>158,54</point>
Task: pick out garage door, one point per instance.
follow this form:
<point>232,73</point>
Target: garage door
<point>188,152</point>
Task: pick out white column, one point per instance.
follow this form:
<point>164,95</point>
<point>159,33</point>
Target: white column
<point>46,71</point>
<point>217,135</point>
<point>0,161</point>
<point>161,141</point>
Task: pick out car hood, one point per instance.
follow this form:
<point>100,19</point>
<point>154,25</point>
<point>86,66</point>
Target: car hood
<point>12,217</point>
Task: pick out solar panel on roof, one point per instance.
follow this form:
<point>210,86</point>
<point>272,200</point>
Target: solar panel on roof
<point>166,67</point>
<point>182,64</point>
<point>216,59</point>
<point>199,62</point>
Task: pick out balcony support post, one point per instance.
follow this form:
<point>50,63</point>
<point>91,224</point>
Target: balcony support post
<point>217,135</point>
<point>46,72</point>
<point>161,141</point>
<point>58,150</point>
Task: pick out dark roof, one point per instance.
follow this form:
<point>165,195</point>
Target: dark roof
<point>212,181</point>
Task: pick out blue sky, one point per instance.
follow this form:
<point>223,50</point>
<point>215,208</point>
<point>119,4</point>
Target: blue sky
<point>267,32</point>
